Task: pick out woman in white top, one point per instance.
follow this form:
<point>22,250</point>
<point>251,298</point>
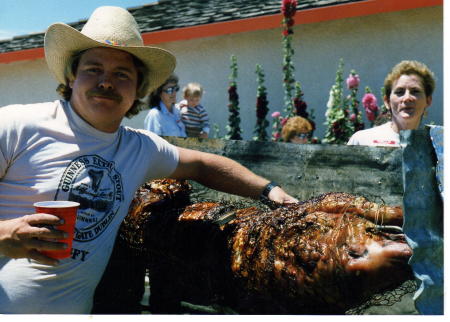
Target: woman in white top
<point>164,118</point>
<point>408,93</point>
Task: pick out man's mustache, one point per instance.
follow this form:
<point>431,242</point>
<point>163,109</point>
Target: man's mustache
<point>110,94</point>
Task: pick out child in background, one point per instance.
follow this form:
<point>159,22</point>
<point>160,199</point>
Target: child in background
<point>193,114</point>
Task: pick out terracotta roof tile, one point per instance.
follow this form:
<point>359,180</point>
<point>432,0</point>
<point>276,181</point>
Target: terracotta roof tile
<point>170,14</point>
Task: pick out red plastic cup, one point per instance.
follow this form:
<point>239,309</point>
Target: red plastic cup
<point>66,210</point>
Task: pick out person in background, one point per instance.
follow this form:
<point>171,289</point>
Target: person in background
<point>164,118</point>
<point>297,130</point>
<point>77,149</point>
<point>193,114</point>
<point>408,94</point>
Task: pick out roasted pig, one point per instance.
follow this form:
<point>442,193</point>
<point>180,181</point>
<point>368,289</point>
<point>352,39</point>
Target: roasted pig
<point>321,256</point>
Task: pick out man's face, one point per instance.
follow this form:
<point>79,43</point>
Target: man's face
<point>104,88</point>
<point>407,102</point>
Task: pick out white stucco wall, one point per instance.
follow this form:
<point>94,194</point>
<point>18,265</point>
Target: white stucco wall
<point>371,45</point>
<point>26,82</point>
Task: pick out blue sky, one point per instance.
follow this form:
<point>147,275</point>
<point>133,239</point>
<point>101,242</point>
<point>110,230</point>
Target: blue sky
<point>21,17</point>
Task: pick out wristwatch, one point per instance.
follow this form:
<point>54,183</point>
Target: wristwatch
<point>267,189</point>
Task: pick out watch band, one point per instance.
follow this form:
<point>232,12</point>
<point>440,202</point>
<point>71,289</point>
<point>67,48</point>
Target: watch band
<point>265,193</point>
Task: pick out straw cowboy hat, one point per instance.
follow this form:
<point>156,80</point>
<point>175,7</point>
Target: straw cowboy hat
<point>110,27</point>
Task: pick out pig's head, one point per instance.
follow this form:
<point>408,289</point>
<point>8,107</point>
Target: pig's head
<point>379,261</point>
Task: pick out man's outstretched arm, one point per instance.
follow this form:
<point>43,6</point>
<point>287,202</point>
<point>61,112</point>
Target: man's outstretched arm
<point>226,175</point>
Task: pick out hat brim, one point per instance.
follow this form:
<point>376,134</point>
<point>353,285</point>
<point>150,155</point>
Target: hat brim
<point>63,41</point>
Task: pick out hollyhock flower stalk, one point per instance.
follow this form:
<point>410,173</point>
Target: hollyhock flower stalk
<point>339,126</point>
<point>356,115</point>
<point>261,107</point>
<point>301,106</point>
<point>234,120</point>
<point>288,8</point>
<point>276,126</point>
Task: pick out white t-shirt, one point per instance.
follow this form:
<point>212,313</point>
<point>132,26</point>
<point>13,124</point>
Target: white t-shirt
<point>382,135</point>
<point>47,152</point>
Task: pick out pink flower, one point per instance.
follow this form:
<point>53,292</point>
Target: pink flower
<point>370,115</point>
<point>284,121</point>
<point>352,81</point>
<point>276,135</point>
<point>276,114</point>
<point>353,117</point>
<point>369,102</point>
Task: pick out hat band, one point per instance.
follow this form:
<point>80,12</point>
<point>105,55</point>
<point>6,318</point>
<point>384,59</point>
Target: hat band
<point>115,43</point>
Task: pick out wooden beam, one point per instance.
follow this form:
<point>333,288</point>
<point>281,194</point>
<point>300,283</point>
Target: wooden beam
<point>26,54</point>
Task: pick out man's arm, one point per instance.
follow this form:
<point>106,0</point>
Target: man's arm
<point>223,174</point>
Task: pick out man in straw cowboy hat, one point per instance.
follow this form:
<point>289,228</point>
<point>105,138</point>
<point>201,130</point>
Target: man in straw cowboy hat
<point>75,149</point>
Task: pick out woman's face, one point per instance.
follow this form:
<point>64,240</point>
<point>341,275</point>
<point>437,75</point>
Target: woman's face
<point>300,138</point>
<point>407,102</point>
<point>169,94</point>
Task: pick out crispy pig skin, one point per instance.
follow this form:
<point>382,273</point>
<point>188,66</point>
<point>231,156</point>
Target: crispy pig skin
<point>320,256</point>
<point>155,196</point>
<point>317,255</point>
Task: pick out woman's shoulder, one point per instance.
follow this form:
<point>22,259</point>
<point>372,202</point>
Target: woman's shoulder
<point>155,110</point>
<point>376,129</point>
<point>378,135</point>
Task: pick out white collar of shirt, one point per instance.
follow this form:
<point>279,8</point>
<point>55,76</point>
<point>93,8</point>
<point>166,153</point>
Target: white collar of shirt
<point>85,127</point>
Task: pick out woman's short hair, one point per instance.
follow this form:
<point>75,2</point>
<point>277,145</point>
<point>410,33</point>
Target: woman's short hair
<point>294,126</point>
<point>70,72</point>
<point>410,67</point>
